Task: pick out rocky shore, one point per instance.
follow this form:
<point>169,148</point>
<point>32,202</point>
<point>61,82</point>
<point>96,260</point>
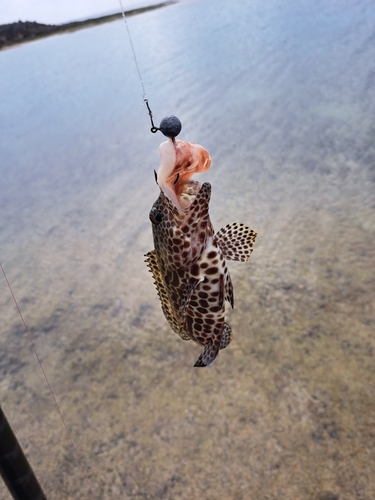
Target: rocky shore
<point>14,33</point>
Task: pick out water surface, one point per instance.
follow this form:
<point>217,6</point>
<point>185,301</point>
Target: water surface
<point>282,96</point>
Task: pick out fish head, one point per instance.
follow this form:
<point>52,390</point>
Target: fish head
<point>180,235</point>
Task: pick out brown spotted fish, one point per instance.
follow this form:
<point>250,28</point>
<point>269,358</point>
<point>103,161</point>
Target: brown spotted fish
<point>188,263</point>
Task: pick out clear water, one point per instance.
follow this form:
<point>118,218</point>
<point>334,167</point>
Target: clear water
<point>282,95</point>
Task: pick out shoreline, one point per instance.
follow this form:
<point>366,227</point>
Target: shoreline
<point>21,32</point>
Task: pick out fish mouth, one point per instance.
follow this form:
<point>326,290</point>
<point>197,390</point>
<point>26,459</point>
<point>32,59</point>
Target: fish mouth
<point>179,161</point>
<point>188,193</point>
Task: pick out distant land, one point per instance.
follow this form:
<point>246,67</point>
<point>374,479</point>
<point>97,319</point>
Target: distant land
<point>15,33</point>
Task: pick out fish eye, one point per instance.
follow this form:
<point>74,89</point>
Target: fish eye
<point>156,217</point>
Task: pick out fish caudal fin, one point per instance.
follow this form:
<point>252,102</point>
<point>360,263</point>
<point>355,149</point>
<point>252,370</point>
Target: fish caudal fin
<point>227,336</point>
<point>208,355</point>
<point>211,350</point>
<point>236,241</point>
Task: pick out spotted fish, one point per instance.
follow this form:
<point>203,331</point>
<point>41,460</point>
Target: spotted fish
<point>188,263</point>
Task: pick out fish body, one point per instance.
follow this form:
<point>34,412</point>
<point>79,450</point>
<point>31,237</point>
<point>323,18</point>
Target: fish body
<point>189,263</point>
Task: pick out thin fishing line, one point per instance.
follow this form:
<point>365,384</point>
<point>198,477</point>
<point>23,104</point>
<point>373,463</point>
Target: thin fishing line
<point>47,381</point>
<point>145,98</point>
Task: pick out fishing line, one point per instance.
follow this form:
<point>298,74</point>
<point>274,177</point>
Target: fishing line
<point>170,126</point>
<point>145,97</point>
<point>134,55</point>
<point>47,381</point>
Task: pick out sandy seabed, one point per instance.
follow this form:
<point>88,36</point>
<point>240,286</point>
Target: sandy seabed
<point>287,411</point>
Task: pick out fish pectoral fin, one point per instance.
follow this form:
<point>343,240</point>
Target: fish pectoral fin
<point>166,306</point>
<point>226,336</point>
<point>225,290</point>
<point>229,293</point>
<point>222,291</point>
<point>236,241</point>
<point>208,355</point>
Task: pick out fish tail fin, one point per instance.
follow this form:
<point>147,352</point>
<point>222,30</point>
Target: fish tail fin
<point>209,354</point>
<point>226,336</point>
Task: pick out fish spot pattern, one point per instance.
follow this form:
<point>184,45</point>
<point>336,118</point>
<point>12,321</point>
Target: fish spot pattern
<point>190,272</point>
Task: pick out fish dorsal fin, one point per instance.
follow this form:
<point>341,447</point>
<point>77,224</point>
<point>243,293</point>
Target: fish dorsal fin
<point>166,306</point>
<point>236,241</point>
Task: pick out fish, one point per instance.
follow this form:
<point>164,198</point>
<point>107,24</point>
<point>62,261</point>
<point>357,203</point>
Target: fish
<point>188,263</point>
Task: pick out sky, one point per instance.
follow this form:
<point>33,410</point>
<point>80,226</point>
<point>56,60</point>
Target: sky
<point>63,11</point>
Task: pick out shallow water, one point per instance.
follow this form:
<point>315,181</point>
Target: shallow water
<point>283,98</point>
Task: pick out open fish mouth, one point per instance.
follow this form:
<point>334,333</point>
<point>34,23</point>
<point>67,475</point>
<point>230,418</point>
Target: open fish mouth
<point>179,161</point>
<point>189,193</point>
